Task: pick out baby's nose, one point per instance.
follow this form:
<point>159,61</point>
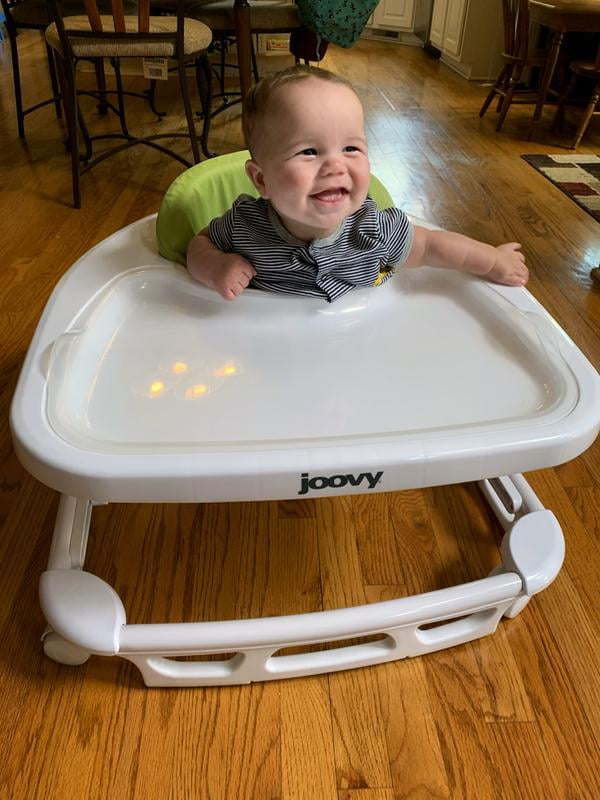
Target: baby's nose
<point>332,165</point>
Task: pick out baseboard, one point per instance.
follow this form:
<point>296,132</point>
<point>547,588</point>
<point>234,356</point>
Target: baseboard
<point>395,37</point>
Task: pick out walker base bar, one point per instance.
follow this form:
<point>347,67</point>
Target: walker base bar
<point>86,616</point>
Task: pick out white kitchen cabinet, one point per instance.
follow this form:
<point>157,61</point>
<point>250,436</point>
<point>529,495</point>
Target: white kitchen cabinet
<point>394,20</point>
<point>396,14</point>
<point>469,34</point>
<point>438,21</point>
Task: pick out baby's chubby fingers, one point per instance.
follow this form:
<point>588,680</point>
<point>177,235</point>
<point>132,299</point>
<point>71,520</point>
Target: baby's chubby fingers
<point>519,275</point>
<point>235,277</point>
<point>510,268</point>
<point>511,248</point>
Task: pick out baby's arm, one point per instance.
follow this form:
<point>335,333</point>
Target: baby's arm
<point>502,264</point>
<point>227,273</point>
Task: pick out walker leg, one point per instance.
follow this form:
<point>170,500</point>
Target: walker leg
<point>533,545</point>
<point>67,551</point>
<point>71,530</point>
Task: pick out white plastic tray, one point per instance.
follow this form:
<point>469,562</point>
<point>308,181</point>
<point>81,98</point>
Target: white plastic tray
<point>435,377</point>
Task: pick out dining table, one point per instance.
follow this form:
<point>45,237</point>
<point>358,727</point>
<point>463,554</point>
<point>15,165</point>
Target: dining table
<point>561,17</point>
<point>243,36</point>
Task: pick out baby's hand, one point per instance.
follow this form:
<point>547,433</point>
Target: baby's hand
<point>230,275</point>
<point>510,266</point>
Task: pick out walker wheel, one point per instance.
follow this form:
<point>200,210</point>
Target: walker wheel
<point>63,652</point>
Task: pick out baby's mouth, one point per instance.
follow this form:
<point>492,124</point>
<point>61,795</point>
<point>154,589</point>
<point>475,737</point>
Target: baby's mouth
<point>330,195</point>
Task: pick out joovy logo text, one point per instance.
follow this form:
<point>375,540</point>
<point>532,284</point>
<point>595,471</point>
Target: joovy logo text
<point>338,481</point>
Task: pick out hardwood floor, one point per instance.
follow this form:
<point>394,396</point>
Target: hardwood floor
<point>514,715</point>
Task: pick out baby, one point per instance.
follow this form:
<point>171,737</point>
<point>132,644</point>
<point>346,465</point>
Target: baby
<point>314,230</point>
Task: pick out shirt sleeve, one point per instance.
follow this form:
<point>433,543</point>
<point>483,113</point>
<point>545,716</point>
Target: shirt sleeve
<point>397,232</point>
<point>221,229</point>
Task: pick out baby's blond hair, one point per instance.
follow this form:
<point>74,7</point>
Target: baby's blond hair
<point>256,100</point>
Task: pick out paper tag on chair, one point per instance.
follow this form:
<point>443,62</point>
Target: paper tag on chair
<point>155,68</point>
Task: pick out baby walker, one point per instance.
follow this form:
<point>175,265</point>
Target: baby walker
<point>479,383</point>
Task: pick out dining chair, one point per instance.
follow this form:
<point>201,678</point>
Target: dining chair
<point>518,55</point>
<point>119,36</point>
<point>589,70</point>
<point>28,15</point>
<point>266,16</point>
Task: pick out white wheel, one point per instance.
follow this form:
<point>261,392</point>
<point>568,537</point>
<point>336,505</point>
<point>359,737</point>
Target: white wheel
<point>63,652</point>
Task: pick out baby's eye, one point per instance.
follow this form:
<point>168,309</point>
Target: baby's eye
<point>308,151</point>
<point>351,149</point>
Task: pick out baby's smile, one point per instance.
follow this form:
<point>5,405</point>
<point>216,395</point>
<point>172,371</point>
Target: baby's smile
<point>330,195</point>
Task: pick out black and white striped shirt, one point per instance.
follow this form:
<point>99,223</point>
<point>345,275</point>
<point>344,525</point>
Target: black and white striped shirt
<point>362,252</point>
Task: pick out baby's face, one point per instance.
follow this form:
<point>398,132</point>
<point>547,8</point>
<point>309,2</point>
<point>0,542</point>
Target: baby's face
<point>311,160</point>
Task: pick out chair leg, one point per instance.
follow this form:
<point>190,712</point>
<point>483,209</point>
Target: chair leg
<point>559,117</point>
<point>587,115</point>
<point>53,80</point>
<point>66,76</point>
<point>224,46</point>
<point>254,63</point>
<point>120,98</point>
<point>17,84</point>
<point>188,107</point>
<point>513,83</point>
<point>504,87</point>
<point>498,82</point>
<point>85,136</point>
<point>101,83</point>
<point>151,95</point>
<point>204,82</point>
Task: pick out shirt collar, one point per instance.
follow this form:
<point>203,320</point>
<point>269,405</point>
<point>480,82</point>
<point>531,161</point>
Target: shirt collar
<point>283,232</point>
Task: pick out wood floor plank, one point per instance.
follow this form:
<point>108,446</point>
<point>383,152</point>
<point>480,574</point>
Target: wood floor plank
<point>307,755</point>
<point>533,776</point>
<point>307,752</point>
<point>374,534</point>
<point>361,755</point>
<point>416,761</point>
<point>455,686</point>
<point>413,534</point>
<point>503,694</point>
<point>361,752</point>
<point>255,766</point>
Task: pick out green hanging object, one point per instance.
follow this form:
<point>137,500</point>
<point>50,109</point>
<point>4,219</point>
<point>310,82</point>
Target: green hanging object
<point>337,21</point>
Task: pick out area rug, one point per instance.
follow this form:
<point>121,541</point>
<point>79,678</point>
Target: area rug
<point>577,176</point>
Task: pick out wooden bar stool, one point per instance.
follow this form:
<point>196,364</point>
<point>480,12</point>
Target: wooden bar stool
<point>118,36</point>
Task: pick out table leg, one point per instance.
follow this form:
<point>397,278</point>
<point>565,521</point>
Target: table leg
<point>546,77</point>
<point>241,11</point>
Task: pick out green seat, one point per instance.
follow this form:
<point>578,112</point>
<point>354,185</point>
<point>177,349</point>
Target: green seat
<point>207,190</point>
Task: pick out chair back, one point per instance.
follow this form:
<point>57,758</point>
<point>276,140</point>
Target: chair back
<point>122,19</point>
<point>207,190</point>
<point>118,15</point>
<point>516,27</point>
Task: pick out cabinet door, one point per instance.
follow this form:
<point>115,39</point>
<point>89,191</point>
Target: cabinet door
<point>438,20</point>
<point>395,13</point>
<point>455,23</point>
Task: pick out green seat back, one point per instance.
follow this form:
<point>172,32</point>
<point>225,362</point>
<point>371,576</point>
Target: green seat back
<point>206,191</point>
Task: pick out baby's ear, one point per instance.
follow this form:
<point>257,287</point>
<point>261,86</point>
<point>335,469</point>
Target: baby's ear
<point>255,173</point>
